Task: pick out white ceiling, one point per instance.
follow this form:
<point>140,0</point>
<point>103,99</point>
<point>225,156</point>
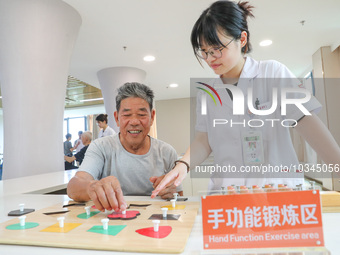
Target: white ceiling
<point>162,28</point>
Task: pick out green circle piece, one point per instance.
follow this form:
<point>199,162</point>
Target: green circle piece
<point>28,225</point>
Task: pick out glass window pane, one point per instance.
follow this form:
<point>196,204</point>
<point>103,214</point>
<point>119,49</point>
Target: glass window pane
<point>76,125</point>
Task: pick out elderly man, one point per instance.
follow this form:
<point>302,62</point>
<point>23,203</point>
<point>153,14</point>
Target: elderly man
<point>130,162</point>
<point>86,139</point>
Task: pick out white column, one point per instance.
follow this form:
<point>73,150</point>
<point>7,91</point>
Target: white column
<point>112,78</point>
<point>36,43</point>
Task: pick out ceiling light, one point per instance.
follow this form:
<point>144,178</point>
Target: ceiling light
<point>92,99</point>
<point>149,58</point>
<point>266,43</point>
<point>173,85</point>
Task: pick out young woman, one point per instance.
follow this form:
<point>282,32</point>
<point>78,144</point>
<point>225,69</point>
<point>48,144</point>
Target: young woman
<point>220,37</point>
<point>102,123</point>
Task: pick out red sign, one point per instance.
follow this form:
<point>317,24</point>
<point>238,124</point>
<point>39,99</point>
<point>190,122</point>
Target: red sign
<point>262,220</point>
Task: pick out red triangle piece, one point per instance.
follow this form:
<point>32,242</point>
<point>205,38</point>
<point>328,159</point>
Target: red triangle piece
<point>163,231</point>
<point>128,216</point>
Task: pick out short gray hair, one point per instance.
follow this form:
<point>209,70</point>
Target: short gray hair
<point>134,89</point>
<point>88,134</point>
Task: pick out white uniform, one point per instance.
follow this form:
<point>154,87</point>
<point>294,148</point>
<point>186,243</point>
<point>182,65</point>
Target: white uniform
<point>108,131</point>
<point>227,140</point>
<point>80,146</point>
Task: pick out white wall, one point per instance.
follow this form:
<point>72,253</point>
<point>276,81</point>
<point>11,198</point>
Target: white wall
<point>173,123</point>
<point>1,133</point>
<point>173,127</point>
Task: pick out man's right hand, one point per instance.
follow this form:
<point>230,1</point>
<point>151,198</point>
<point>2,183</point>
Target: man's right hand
<point>106,194</point>
<point>175,177</point>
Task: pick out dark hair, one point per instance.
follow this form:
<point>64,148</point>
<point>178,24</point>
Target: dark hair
<point>80,132</point>
<point>102,117</point>
<point>134,89</point>
<point>68,135</point>
<point>225,17</point>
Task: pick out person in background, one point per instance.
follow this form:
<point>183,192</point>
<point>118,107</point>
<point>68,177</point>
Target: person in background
<point>128,163</point>
<point>86,139</point>
<point>68,151</point>
<point>78,144</point>
<point>102,123</point>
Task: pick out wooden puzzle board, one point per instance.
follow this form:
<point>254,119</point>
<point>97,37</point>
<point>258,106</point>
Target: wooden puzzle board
<point>330,198</point>
<point>330,201</point>
<point>126,240</point>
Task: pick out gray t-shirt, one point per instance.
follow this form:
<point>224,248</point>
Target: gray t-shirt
<point>67,148</point>
<point>106,157</point>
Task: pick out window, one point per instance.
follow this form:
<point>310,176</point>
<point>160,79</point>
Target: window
<point>73,126</point>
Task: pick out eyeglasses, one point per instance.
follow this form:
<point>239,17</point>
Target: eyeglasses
<point>214,51</point>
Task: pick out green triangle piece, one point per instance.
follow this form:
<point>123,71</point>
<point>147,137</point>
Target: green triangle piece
<point>85,216</point>
<point>112,230</point>
<point>28,225</point>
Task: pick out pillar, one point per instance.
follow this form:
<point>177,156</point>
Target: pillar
<point>36,42</point>
<point>112,78</point>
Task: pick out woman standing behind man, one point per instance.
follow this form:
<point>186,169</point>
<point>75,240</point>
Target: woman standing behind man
<point>102,123</point>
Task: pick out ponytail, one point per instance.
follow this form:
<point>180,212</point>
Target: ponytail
<point>247,10</point>
<point>102,117</point>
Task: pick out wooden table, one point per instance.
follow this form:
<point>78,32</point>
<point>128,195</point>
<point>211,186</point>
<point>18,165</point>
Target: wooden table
<point>29,190</point>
